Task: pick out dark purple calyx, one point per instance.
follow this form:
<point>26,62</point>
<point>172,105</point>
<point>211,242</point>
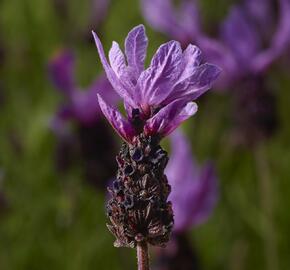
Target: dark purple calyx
<point>142,213</point>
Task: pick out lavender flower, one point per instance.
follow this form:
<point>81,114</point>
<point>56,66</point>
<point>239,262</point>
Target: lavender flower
<point>239,55</point>
<point>92,136</point>
<point>249,40</point>
<point>157,100</point>
<point>80,104</point>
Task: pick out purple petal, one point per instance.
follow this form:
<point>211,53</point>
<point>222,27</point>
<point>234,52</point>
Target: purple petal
<point>117,59</point>
<point>120,88</point>
<point>155,83</point>
<point>280,41</point>
<point>195,85</point>
<point>170,117</point>
<point>223,57</point>
<point>136,47</point>
<point>190,19</point>
<point>240,36</point>
<point>122,127</point>
<point>191,59</point>
<point>262,12</point>
<point>61,71</point>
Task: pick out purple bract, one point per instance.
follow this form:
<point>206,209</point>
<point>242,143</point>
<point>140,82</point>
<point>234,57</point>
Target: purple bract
<point>157,99</point>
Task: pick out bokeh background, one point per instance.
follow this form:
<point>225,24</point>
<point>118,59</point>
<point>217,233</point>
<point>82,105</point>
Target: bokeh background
<point>53,219</point>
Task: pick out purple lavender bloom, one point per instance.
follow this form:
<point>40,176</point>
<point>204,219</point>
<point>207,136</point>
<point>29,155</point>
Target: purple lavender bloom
<point>158,99</point>
<point>238,48</point>
<point>194,190</point>
<point>80,105</point>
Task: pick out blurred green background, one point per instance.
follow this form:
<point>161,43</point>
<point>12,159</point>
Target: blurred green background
<point>53,221</point>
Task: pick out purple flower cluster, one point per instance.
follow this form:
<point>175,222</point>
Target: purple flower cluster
<point>239,47</point>
<point>159,98</point>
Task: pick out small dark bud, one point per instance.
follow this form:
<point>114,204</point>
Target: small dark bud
<point>137,154</point>
<point>129,170</point>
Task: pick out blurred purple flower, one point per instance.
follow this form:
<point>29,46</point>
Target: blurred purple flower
<point>80,105</point>
<point>194,190</point>
<point>91,141</point>
<point>238,49</point>
<point>158,99</point>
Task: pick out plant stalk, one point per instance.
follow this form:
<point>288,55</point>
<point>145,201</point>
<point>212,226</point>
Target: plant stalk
<point>143,256</point>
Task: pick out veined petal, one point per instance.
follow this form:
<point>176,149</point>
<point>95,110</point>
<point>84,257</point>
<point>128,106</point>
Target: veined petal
<point>155,83</point>
<point>191,58</point>
<point>117,59</point>
<point>195,85</point>
<point>120,88</point>
<point>61,71</point>
<point>170,117</point>
<point>189,110</point>
<point>122,127</point>
<point>136,47</point>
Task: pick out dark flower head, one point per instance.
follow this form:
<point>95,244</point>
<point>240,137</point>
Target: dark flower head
<point>79,105</point>
<point>241,47</point>
<point>157,99</point>
<point>194,190</point>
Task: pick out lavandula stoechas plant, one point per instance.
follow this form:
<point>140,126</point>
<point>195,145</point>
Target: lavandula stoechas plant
<point>194,195</point>
<point>157,100</point>
<point>91,141</point>
<point>252,36</point>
